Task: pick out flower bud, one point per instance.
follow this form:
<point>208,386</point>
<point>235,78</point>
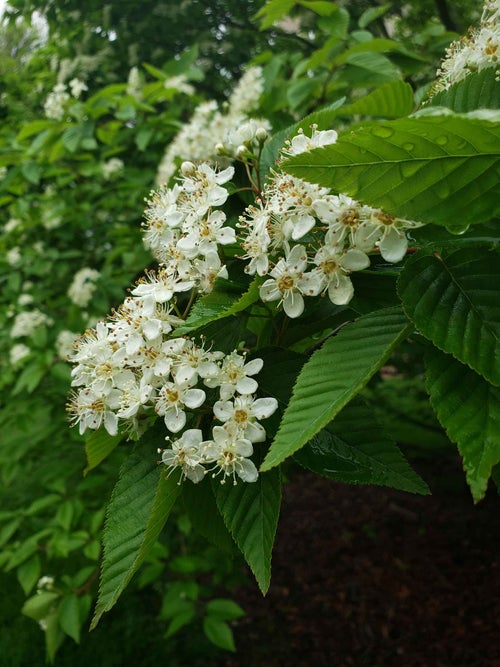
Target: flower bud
<point>188,168</point>
<point>261,134</point>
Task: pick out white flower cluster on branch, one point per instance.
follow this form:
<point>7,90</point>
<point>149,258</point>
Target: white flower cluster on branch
<point>478,50</point>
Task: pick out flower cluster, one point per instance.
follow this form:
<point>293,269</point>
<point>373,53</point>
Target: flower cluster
<point>83,286</point>
<point>55,104</point>
<point>27,322</point>
<point>478,50</point>
<point>129,367</point>
<point>212,132</point>
<point>183,231</point>
<point>307,241</point>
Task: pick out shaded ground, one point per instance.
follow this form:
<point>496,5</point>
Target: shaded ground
<point>375,577</point>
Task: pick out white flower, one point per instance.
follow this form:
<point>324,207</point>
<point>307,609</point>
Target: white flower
<point>234,375</point>
<point>13,256</point>
<point>185,453</point>
<point>25,324</point>
<point>172,398</point>
<point>18,353</point>
<point>83,286</point>
<point>301,143</point>
<point>229,451</point>
<point>77,87</point>
<point>55,104</point>
<point>289,282</point>
<point>244,412</point>
<point>65,343</point>
<point>112,166</point>
<point>334,267</point>
<point>91,410</point>
<point>161,286</point>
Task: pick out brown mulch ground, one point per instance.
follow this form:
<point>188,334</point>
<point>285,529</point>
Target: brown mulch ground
<point>368,576</point>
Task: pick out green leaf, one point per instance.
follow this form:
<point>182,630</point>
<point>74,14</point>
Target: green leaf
<point>225,610</point>
<point>355,449</point>
<point>204,515</point>
<point>54,636</point>
<point>32,172</point>
<point>38,606</point>
<point>320,7</point>
<point>36,126</point>
<point>453,300</point>
<point>469,409</point>
<point>390,100</point>
<point>98,446</point>
<point>28,573</point>
<point>440,168</point>
<point>480,90</point>
<point>370,68</point>
<point>219,633</point>
<point>371,14</point>
<point>273,11</point>
<point>71,137</point>
<point>250,512</point>
<point>334,375</point>
<point>137,512</point>
<point>69,616</point>
<point>217,305</point>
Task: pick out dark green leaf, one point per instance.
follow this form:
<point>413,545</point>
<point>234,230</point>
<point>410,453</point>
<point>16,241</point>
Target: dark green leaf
<point>453,300</point>
<point>354,449</point>
<point>469,409</point>
<point>204,515</point>
<point>69,616</point>
<point>479,90</point>
<point>137,512</point>
<point>390,100</point>
<point>250,512</point>
<point>219,633</point>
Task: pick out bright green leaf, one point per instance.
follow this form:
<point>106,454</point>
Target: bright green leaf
<point>272,11</point>
<point>334,375</point>
<point>354,449</point>
<point>38,606</point>
<point>219,304</point>
<point>250,512</point>
<point>440,168</point>
<point>71,137</point>
<point>371,14</point>
<point>469,409</point>
<point>453,300</point>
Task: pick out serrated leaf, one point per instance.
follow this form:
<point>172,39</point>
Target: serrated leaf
<point>69,616</point>
<point>440,168</point>
<point>355,449</point>
<point>334,375</point>
<point>453,300</point>
<point>479,90</point>
<point>390,100</point>
<point>469,409</point>
<point>139,507</point>
<point>219,633</point>
<point>217,305</point>
<point>250,512</point>
<point>98,446</point>
<point>370,68</point>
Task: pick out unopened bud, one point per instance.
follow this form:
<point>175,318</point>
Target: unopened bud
<point>241,151</point>
<point>261,134</point>
<point>220,148</point>
<point>188,168</point>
